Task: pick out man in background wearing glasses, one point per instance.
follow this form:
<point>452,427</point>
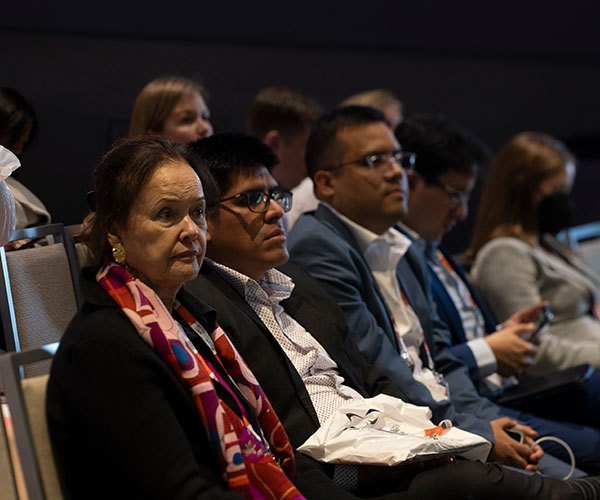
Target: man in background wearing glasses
<point>351,244</point>
<point>440,189</point>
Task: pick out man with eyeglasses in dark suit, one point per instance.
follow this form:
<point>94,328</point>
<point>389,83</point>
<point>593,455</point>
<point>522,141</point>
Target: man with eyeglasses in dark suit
<point>296,342</point>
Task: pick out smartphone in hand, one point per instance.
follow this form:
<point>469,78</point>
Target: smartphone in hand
<point>516,434</point>
<point>544,317</point>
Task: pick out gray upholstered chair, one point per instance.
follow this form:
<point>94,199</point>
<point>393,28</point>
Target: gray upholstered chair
<point>82,251</point>
<point>39,288</point>
<point>26,401</point>
<point>7,466</point>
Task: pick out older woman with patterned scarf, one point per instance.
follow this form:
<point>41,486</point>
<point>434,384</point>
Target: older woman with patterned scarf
<point>147,396</point>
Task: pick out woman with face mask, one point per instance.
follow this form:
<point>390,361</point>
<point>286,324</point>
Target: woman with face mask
<point>526,200</point>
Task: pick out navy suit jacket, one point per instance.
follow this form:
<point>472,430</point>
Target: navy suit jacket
<point>324,246</point>
<point>450,315</point>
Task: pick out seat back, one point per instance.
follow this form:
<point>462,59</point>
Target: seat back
<point>34,395</point>
<point>7,476</point>
<point>39,290</point>
<point>84,255</point>
<point>26,400</point>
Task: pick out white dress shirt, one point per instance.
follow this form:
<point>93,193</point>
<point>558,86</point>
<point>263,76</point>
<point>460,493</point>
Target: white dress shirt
<point>382,253</point>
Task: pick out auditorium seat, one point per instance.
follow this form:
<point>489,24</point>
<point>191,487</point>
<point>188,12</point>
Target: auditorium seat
<point>26,401</point>
<point>39,288</point>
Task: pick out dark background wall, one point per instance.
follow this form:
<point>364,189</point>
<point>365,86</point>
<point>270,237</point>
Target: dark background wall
<point>499,69</point>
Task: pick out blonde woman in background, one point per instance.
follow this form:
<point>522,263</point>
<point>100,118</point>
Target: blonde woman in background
<point>173,107</point>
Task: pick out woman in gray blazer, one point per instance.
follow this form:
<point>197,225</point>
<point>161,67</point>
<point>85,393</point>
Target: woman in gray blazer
<point>526,200</point>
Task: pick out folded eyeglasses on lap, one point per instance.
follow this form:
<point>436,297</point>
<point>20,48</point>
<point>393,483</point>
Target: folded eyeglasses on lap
<point>259,201</point>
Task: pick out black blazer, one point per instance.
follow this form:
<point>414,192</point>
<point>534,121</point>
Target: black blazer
<point>123,425</point>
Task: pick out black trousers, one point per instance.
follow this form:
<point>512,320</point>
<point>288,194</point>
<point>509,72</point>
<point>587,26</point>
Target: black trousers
<point>477,480</point>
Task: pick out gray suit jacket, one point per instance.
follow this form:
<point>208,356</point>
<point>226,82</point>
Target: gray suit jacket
<point>325,247</point>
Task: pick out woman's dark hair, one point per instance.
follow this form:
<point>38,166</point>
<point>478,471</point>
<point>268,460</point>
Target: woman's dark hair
<point>16,117</point>
<point>119,179</point>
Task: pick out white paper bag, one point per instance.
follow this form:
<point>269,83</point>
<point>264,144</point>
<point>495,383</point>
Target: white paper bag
<point>8,212</point>
<point>387,431</point>
<point>8,163</point>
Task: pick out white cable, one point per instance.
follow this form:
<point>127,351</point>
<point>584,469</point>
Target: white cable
<point>566,446</point>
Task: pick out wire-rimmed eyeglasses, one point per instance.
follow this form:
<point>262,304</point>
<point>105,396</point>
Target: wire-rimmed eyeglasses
<point>382,160</point>
<point>456,196</point>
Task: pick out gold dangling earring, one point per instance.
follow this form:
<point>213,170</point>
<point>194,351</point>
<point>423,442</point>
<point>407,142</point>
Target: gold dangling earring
<point>118,251</point>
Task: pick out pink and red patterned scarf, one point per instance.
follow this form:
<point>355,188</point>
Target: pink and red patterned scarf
<point>248,467</point>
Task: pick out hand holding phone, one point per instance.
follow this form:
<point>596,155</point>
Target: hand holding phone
<point>545,315</point>
<point>516,433</point>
